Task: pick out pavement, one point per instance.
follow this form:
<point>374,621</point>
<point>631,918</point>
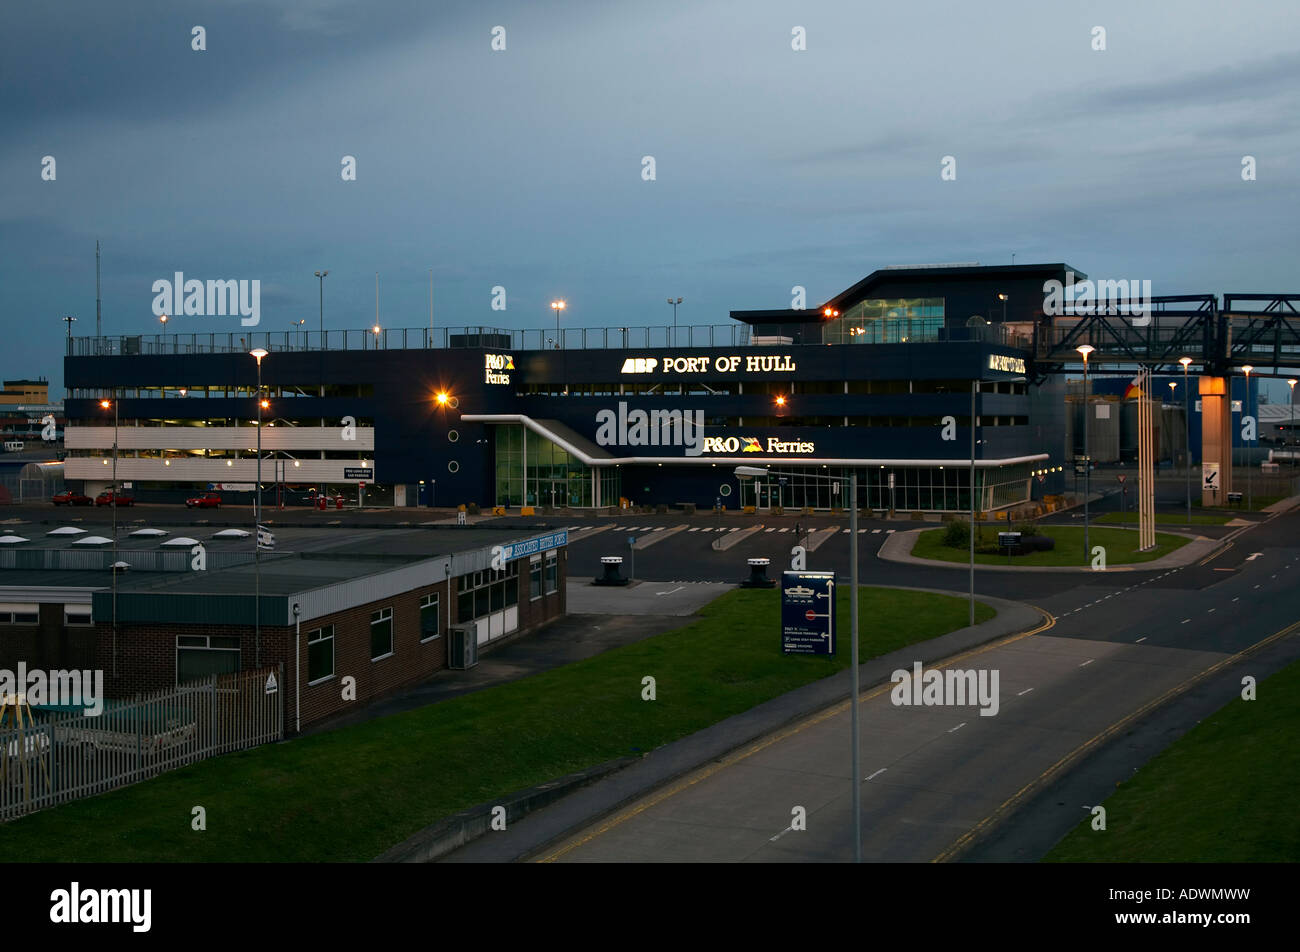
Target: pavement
<point>673,760</point>
<point>641,598</point>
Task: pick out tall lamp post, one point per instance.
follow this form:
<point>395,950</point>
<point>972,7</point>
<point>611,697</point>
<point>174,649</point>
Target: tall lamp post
<point>1245,403</point>
<point>257,354</point>
<point>1187,414</point>
<point>1291,407</point>
<point>113,568</point>
<point>855,687</point>
<point>974,389</point>
<point>1085,350</point>
<point>674,304</point>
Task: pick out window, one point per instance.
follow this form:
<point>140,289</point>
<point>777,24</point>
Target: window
<point>76,615</point>
<point>20,614</point>
<point>201,656</point>
<point>381,633</point>
<point>429,623</point>
<point>552,574</point>
<point>320,654</point>
<point>535,578</point>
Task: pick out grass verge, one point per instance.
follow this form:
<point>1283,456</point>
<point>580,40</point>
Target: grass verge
<point>350,794</point>
<point>1222,793</point>
<point>1120,545</point>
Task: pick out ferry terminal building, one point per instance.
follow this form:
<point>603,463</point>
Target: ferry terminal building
<point>879,378</point>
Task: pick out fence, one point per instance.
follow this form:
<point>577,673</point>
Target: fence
<point>48,756</point>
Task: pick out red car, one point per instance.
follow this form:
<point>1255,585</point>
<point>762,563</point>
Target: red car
<point>107,498</point>
<point>204,501</point>
<point>69,498</point>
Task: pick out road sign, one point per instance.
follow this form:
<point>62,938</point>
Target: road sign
<point>357,472</point>
<point>1210,476</point>
<point>272,686</point>
<point>1121,477</point>
<point>808,612</point>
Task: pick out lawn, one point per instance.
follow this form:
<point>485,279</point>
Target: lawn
<point>349,794</point>
<point>1223,793</point>
<point>1120,546</point>
<point>1165,518</point>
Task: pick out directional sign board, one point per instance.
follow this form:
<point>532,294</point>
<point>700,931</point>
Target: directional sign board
<point>808,612</point>
<point>357,472</point>
<point>1210,476</point>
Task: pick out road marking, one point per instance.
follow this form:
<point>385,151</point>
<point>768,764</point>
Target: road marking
<point>1140,640</point>
<point>770,529</point>
<point>1024,692</point>
<point>875,532</point>
<point>677,589</point>
<point>958,727</point>
<point>773,839</point>
<point>889,532</point>
<point>1088,662</point>
<point>1186,620</point>
<point>697,529</point>
<point>1253,556</point>
<point>877,773</point>
<point>1236,598</point>
<point>764,743</point>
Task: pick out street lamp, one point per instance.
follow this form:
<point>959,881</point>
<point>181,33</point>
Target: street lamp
<point>321,275</point>
<point>674,304</point>
<point>1291,406</point>
<point>854,717</point>
<point>1003,299</point>
<point>297,326</point>
<point>1085,350</point>
<point>375,330</point>
<point>257,354</point>
<point>1245,402</point>
<point>557,307</point>
<point>1187,415</point>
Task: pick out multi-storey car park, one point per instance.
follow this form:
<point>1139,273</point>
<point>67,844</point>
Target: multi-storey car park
<point>887,377</point>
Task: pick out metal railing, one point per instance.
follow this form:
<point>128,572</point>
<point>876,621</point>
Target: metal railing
<point>50,757</point>
<point>504,339</point>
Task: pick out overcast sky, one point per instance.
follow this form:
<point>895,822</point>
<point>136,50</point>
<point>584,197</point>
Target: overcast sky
<point>523,168</point>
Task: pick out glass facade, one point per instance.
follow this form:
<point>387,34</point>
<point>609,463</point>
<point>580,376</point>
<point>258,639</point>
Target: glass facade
<point>533,471</point>
<point>886,321</point>
<point>915,489</point>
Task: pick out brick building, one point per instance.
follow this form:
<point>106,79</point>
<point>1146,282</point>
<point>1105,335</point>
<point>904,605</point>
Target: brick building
<point>348,615</point>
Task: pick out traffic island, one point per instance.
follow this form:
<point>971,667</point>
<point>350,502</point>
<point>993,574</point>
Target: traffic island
<point>1173,550</point>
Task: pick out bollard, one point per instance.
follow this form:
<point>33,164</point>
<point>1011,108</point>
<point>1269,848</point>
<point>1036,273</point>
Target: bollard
<point>611,566</point>
<point>758,574</point>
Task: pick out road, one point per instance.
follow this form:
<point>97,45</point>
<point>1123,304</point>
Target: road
<point>931,774</point>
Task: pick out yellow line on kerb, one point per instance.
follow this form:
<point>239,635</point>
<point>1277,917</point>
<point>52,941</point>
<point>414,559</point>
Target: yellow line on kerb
<point>1013,802</point>
<point>737,757</point>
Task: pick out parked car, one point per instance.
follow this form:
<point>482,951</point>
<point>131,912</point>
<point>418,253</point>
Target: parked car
<point>107,498</point>
<point>70,498</point>
<point>204,501</point>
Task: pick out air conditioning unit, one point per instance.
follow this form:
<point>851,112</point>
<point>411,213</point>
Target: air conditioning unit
<point>462,646</point>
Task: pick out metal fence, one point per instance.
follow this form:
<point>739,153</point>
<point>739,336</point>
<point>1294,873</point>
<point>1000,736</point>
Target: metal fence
<point>50,757</point>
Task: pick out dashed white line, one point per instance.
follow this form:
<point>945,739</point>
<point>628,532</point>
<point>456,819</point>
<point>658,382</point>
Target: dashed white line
<point>773,839</point>
<point>877,773</point>
<point>1024,692</point>
<point>1140,640</point>
<point>875,532</point>
<point>1186,620</point>
<point>958,727</point>
<point>1088,662</point>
